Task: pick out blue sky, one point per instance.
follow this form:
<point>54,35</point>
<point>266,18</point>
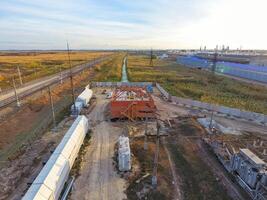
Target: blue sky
<point>107,24</point>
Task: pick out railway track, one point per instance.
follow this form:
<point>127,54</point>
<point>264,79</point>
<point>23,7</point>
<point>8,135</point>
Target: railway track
<point>37,85</point>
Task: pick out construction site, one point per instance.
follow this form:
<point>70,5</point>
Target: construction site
<point>133,140</point>
<point>133,100</point>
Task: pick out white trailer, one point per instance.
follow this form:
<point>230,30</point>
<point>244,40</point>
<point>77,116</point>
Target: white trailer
<point>49,183</point>
<point>85,97</point>
<point>75,111</point>
<point>82,101</point>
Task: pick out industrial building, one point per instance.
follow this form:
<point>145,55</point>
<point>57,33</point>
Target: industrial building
<point>132,103</point>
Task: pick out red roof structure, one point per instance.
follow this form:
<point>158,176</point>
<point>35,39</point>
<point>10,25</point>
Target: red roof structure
<point>132,103</point>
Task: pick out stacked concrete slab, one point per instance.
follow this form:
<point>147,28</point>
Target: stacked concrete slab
<point>124,154</point>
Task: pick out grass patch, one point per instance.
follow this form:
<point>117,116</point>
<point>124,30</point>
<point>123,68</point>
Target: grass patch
<point>198,84</point>
<point>110,70</point>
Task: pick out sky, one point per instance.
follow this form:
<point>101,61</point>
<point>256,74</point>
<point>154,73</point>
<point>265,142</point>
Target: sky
<point>132,24</point>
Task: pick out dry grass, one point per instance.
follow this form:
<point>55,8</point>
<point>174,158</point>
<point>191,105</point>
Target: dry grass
<point>110,70</point>
<point>198,84</point>
<point>39,64</point>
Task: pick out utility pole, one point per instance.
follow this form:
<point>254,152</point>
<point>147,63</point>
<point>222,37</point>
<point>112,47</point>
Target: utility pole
<point>214,61</point>
<point>151,58</point>
<point>71,79</point>
<point>15,91</point>
<point>20,79</point>
<point>145,142</point>
<point>155,167</point>
<point>60,71</point>
<point>52,107</point>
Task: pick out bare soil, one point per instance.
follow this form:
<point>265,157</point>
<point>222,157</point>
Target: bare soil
<point>19,173</point>
<point>98,177</point>
<point>17,124</point>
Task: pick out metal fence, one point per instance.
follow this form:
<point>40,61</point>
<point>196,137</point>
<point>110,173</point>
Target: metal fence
<point>251,116</point>
<point>119,84</point>
<point>251,72</point>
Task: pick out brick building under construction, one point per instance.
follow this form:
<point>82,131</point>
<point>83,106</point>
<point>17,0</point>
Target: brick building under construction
<point>132,103</point>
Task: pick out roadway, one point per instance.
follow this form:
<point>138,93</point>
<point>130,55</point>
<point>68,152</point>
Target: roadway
<point>31,87</point>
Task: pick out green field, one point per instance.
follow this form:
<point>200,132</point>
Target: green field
<point>198,84</point>
<point>110,70</point>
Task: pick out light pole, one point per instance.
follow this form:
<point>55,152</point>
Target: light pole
<point>156,158</point>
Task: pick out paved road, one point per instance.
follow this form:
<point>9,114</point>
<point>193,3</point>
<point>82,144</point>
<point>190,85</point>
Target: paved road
<point>33,86</point>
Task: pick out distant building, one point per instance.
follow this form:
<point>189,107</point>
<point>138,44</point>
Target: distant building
<point>163,56</point>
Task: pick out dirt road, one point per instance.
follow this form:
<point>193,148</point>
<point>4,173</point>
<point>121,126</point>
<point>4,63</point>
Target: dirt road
<point>167,111</point>
<point>218,170</point>
<point>98,179</point>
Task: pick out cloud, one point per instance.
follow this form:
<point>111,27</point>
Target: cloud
<point>132,24</point>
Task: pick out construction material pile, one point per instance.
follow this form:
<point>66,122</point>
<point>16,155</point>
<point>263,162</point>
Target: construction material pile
<point>124,154</point>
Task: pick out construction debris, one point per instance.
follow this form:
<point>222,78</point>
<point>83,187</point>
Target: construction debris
<point>216,127</point>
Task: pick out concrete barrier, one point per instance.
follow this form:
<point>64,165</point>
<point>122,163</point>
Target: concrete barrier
<point>250,116</point>
<point>119,84</point>
<point>166,95</point>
